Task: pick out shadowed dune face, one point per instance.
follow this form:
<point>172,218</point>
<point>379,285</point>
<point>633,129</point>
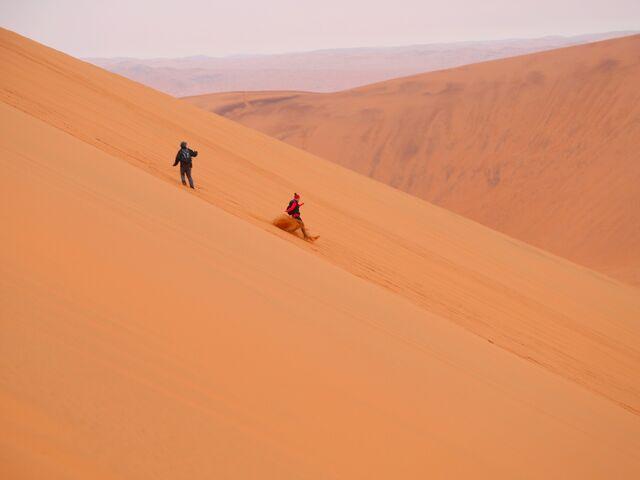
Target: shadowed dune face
<point>541,147</point>
<point>153,332</point>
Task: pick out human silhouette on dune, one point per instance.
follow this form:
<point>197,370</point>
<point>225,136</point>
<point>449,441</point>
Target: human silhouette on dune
<point>184,158</point>
<point>293,221</point>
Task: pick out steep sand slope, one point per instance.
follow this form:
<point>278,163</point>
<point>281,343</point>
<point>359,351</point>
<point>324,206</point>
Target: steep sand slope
<point>148,334</point>
<point>542,147</point>
<point>565,318</point>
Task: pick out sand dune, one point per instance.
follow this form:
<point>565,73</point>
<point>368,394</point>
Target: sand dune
<point>149,332</point>
<point>322,70</point>
<point>541,147</point>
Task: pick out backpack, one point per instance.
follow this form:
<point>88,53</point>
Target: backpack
<point>295,211</point>
<point>185,156</point>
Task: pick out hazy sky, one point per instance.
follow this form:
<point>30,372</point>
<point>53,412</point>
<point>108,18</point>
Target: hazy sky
<point>189,27</point>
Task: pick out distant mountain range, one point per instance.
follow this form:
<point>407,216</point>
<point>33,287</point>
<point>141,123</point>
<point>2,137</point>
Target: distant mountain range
<point>322,70</point>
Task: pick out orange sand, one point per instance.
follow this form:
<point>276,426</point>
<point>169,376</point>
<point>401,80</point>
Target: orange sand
<point>152,332</point>
<point>541,147</point>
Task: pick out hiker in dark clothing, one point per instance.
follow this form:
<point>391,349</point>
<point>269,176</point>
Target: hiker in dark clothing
<point>183,157</point>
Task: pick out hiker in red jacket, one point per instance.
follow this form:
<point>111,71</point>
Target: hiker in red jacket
<point>294,207</point>
<point>293,210</point>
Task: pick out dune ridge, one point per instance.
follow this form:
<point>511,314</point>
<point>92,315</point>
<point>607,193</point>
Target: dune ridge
<point>149,331</point>
<point>541,147</point>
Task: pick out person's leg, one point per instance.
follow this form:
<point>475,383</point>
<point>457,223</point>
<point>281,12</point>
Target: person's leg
<point>189,177</point>
<point>304,232</point>
<point>182,173</point>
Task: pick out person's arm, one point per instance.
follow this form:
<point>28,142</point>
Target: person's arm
<point>177,159</point>
<point>193,153</point>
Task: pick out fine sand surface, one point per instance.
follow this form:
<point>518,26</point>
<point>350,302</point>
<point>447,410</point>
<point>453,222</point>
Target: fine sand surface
<point>154,332</point>
<point>328,70</point>
<point>542,147</point>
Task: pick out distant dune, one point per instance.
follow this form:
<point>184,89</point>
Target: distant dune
<point>153,332</point>
<point>323,70</point>
<point>542,147</point>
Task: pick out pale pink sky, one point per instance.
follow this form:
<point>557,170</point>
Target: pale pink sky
<point>211,27</point>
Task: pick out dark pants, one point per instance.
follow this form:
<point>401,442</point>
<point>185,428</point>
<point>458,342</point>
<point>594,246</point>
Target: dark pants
<point>186,170</point>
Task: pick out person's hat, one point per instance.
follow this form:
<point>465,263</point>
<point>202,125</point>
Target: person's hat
<point>295,195</point>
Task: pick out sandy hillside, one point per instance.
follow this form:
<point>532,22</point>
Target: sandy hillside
<point>322,70</point>
<point>541,147</point>
<point>149,332</point>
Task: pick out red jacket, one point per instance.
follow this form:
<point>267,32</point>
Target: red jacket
<point>294,208</point>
